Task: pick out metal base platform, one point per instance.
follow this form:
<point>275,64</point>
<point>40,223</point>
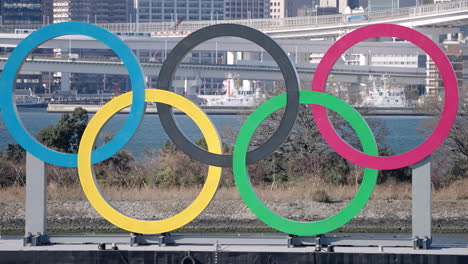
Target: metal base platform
<point>322,241</point>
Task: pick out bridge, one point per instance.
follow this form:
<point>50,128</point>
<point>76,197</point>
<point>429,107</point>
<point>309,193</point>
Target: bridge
<point>442,15</point>
<point>264,71</point>
<point>434,15</point>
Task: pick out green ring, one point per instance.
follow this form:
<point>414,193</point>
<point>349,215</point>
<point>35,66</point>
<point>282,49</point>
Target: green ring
<point>256,205</point>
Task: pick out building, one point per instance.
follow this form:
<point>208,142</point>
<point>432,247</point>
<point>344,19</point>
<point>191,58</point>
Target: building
<point>400,60</point>
<point>195,10</point>
<point>103,11</point>
<point>339,4</point>
<point>434,83</point>
<point>293,6</point>
<point>179,10</point>
<point>408,3</point>
<point>319,11</point>
<point>363,3</point>
<point>48,11</point>
<point>247,9</point>
<point>380,5</point>
<point>277,8</point>
<point>21,12</point>
<point>25,13</point>
<point>290,8</point>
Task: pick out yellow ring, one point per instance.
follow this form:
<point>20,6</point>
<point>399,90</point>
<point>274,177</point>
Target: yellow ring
<point>93,192</point>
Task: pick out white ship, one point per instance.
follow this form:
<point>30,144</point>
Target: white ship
<point>235,93</point>
<point>380,94</point>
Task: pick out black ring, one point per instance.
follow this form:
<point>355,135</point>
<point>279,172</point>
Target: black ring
<point>291,79</point>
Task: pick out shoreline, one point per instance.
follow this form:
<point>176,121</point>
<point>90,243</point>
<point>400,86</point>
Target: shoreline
<point>68,108</point>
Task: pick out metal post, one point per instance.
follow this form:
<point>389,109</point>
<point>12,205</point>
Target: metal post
<point>36,198</point>
<point>422,203</point>
<point>316,14</point>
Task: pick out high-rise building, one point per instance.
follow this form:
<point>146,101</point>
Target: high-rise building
<point>379,5</point>
<point>363,3</point>
<point>47,11</point>
<point>319,11</point>
<point>178,10</point>
<point>17,12</point>
<point>434,83</point>
<point>339,4</point>
<point>102,11</point>
<point>277,8</point>
<point>292,6</point>
<point>247,9</point>
<point>289,8</point>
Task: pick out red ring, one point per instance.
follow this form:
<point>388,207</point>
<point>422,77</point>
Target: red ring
<point>447,118</point>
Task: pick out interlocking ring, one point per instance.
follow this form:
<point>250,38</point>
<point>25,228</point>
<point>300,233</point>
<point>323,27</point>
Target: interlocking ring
<point>8,83</point>
<point>446,120</point>
<point>229,30</point>
<point>213,157</point>
<point>260,210</point>
<point>94,194</point>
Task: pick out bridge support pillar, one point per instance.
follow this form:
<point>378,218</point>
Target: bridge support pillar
<point>65,82</point>
<point>434,33</point>
<point>234,56</point>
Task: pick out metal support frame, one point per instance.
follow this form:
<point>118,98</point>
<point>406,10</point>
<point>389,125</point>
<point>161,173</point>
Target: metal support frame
<point>319,242</point>
<point>325,241</point>
<point>36,201</point>
<point>36,232</point>
<point>141,240</point>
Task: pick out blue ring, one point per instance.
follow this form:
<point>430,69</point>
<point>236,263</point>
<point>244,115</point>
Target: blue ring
<point>14,63</point>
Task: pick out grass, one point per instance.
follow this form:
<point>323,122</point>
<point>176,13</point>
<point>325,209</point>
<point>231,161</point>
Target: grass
<point>318,191</point>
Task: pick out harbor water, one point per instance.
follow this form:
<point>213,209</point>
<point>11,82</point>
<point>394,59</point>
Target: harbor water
<point>403,131</point>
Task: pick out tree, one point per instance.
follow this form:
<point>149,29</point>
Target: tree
<point>66,134</point>
<point>15,152</point>
<point>175,168</point>
<point>305,153</point>
<point>451,158</point>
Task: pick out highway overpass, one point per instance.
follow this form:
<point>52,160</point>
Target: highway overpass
<point>264,71</point>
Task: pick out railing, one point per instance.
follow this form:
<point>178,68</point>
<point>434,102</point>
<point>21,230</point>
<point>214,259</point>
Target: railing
<point>291,22</point>
<point>168,28</point>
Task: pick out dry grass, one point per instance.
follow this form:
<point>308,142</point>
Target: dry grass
<point>304,191</point>
<point>456,191</point>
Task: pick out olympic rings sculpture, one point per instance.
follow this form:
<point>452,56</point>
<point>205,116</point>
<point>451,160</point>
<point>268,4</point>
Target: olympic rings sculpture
<point>166,99</point>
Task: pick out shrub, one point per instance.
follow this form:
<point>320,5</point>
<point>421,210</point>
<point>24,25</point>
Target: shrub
<point>398,175</point>
<point>320,196</point>
<point>335,169</point>
<point>15,152</point>
<point>12,173</point>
